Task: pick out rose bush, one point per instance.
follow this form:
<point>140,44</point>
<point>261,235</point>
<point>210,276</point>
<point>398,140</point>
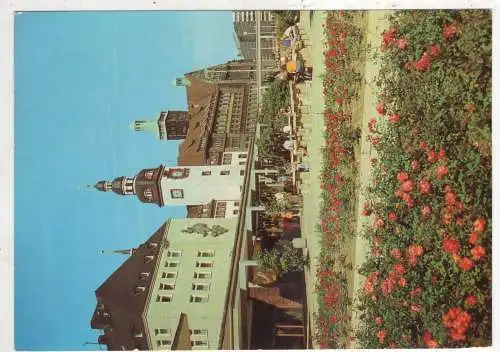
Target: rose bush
<point>428,277</point>
<point>341,83</point>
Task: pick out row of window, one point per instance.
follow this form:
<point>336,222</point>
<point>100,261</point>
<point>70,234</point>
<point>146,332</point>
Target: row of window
<point>223,172</point>
<point>199,264</point>
<point>193,298</point>
<point>201,253</point>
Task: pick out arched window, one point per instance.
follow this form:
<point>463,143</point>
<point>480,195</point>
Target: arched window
<point>149,174</point>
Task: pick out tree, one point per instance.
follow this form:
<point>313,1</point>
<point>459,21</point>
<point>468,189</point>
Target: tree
<point>276,208</point>
<point>281,259</point>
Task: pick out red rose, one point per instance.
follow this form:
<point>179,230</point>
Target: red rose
<point>426,210</point>
<point>451,245</point>
<point>396,253</point>
<point>381,336</point>
<point>414,165</point>
<point>449,30</point>
<point>422,145</point>
<point>402,44</point>
<point>416,292</point>
<point>478,252</point>
<point>473,237</point>
<point>424,186</point>
<point>378,321</point>
<point>432,344</point>
<point>371,125</point>
<point>380,108</point>
<point>407,186</point>
<point>479,225</point>
<point>378,223</point>
<point>402,176</point>
<point>432,156</point>
<point>402,282</point>
<point>415,308</point>
<point>434,50</point>
<point>450,198</point>
<point>441,171</point>
<point>471,300</point>
<point>442,153</point>
<point>415,249</point>
<point>399,269</point>
<point>424,63</point>
<point>394,119</point>
<point>466,264</point>
<point>392,216</point>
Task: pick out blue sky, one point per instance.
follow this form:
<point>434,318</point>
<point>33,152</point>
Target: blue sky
<point>80,79</point>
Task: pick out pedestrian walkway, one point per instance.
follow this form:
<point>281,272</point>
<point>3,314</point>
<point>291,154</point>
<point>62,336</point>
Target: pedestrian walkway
<point>312,28</point>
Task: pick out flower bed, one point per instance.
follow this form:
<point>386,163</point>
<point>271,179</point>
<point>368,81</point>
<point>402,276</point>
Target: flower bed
<point>429,273</point>
<point>338,180</point>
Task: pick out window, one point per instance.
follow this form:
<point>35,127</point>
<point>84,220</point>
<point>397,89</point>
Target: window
<point>202,275</point>
<point>199,343</point>
<point>235,212</point>
<point>167,286</point>
<point>198,298</point>
<point>206,173</point>
<point>200,287</point>
<point>148,258</point>
<point>177,173</point>
<point>149,174</point>
<point>143,276</point>
<point>199,332</point>
<point>174,254</point>
<point>148,193</point>
<point>242,156</point>
<point>163,332</point>
<point>206,253</point>
<point>224,173</point>
<point>152,245</point>
<point>242,172</point>
<point>236,204</point>
<point>177,193</point>
<point>171,263</point>
<point>242,162</point>
<point>163,343</point>
<point>169,275</point>
<point>164,298</point>
<point>139,289</point>
<point>204,264</point>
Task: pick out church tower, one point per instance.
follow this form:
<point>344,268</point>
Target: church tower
<point>193,185</point>
<point>170,125</point>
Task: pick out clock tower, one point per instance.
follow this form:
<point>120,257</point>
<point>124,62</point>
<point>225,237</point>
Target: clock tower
<point>193,185</point>
<point>170,125</point>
